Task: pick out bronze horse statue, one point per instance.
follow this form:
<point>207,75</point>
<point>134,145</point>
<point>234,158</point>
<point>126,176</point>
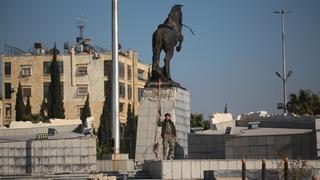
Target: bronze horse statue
<point>166,38</point>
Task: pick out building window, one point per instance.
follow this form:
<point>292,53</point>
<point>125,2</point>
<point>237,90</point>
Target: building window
<point>82,70</point>
<point>141,74</point>
<point>122,90</point>
<point>82,90</point>
<point>26,70</point>
<point>26,91</point>
<point>7,68</point>
<point>46,67</point>
<point>140,93</point>
<point>107,66</point>
<point>129,92</point>
<point>121,70</point>
<point>129,72</point>
<point>121,107</point>
<point>7,87</point>
<point>8,110</point>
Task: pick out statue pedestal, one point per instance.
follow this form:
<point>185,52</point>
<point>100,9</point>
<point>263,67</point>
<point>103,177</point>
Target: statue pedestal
<point>173,100</point>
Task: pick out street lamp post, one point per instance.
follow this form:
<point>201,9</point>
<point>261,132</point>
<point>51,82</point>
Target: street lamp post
<point>284,75</point>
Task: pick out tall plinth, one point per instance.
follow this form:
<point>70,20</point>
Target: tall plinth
<point>173,100</point>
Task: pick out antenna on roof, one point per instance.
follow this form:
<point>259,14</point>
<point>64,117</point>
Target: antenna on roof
<point>81,24</point>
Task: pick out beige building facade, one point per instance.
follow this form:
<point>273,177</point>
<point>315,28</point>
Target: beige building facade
<point>82,72</point>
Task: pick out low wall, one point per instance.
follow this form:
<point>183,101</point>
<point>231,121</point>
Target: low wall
<point>33,131</point>
<point>193,169</point>
<point>115,165</point>
<point>48,156</point>
<point>278,123</point>
<point>206,146</point>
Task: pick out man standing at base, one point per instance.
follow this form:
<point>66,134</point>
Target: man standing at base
<point>168,135</point>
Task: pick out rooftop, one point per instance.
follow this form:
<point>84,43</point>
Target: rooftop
<point>244,131</point>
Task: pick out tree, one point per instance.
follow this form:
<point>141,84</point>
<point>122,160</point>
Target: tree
<point>55,100</point>
<point>196,120</point>
<point>85,112</point>
<point>304,102</point>
<point>43,110</point>
<point>20,107</point>
<point>104,130</point>
<point>28,111</point>
<point>131,130</point>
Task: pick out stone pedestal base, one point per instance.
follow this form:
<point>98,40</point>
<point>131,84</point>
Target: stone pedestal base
<point>173,100</point>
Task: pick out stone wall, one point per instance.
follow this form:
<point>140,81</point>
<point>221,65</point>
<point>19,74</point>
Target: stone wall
<point>48,156</point>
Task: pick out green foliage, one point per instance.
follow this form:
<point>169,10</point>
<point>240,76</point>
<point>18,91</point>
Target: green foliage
<point>55,99</point>
<point>28,111</point>
<point>20,107</point>
<point>304,102</point>
<point>44,110</point>
<point>196,120</point>
<point>131,130</point>
<point>85,112</point>
<point>104,131</point>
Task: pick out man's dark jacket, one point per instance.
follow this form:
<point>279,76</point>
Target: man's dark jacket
<point>162,124</point>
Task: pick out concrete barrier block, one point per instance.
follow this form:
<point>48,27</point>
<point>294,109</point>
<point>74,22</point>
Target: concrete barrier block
<point>167,170</point>
<point>186,167</point>
<point>44,161</point>
<point>44,143</point>
<point>52,160</point>
<point>76,151</point>
<point>223,165</point>
<point>52,152</point>
<point>68,151</point>
<point>60,160</point>
<point>250,164</point>
<point>92,151</point>
<point>92,142</point>
<point>68,160</point>
<point>84,151</point>
<point>214,165</point>
<point>84,159</point>
<point>177,169</point>
<point>76,159</point>
<point>60,143</point>
<point>52,143</point>
<point>60,151</point>
<point>92,159</point>
<point>195,169</point>
<point>74,142</point>
<point>232,165</point>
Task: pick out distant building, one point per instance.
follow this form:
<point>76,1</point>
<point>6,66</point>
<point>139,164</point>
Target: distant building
<point>84,69</point>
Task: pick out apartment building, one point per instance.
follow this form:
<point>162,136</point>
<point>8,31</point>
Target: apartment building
<point>84,69</point>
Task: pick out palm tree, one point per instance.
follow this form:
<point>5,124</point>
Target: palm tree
<point>305,102</point>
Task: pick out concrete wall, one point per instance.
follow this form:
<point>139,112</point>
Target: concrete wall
<point>33,131</point>
<point>278,123</point>
<point>204,146</point>
<point>193,169</point>
<point>48,156</point>
<point>270,147</point>
<point>115,165</point>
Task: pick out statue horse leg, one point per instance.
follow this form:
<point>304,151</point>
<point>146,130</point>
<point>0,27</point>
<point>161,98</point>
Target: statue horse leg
<point>178,48</point>
<point>156,49</point>
<point>166,68</point>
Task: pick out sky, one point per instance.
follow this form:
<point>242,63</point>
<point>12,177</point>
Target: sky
<point>231,59</point>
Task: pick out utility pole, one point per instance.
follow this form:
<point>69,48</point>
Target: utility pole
<point>115,78</point>
<point>284,75</point>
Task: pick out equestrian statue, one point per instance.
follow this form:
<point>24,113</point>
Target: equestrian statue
<point>166,38</point>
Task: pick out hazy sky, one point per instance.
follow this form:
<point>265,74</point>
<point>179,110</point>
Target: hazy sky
<point>230,60</point>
